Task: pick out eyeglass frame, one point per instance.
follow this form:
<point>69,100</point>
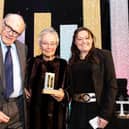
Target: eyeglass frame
<point>10,29</point>
<point>46,44</point>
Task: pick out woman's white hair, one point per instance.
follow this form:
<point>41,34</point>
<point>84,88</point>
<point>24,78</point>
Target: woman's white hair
<point>48,30</point>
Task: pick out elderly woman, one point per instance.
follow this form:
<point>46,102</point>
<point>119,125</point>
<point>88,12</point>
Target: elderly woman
<point>47,105</point>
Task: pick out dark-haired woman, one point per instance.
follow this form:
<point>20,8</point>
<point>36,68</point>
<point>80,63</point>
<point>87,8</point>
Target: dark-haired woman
<point>92,83</point>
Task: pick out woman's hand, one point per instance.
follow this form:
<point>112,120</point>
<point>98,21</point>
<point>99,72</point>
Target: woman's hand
<point>27,93</point>
<point>3,117</point>
<point>102,123</point>
<point>59,97</point>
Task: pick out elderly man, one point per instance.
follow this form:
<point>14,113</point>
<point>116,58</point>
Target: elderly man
<point>12,70</point>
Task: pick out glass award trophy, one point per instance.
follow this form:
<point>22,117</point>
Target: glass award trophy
<point>122,100</point>
<point>49,80</point>
<point>49,84</point>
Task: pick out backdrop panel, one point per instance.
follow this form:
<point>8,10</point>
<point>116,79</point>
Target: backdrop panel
<point>41,21</point>
<point>120,37</point>
<point>1,10</point>
<point>91,18</point>
<point>66,34</point>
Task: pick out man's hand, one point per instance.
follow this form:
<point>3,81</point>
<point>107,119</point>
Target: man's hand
<point>3,118</point>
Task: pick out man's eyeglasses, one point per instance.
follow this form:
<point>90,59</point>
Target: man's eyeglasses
<point>10,29</point>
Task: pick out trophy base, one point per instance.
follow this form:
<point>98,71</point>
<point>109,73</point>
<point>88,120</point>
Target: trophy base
<point>123,116</point>
<point>50,91</point>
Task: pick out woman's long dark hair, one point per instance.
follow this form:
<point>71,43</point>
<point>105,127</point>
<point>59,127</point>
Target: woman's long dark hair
<point>75,52</point>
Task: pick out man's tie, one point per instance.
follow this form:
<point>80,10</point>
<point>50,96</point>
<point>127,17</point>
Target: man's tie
<point>8,73</point>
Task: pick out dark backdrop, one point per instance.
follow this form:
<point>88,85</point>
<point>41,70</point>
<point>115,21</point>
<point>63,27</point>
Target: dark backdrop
<point>63,12</point>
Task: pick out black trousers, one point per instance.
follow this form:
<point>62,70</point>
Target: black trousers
<point>14,108</point>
